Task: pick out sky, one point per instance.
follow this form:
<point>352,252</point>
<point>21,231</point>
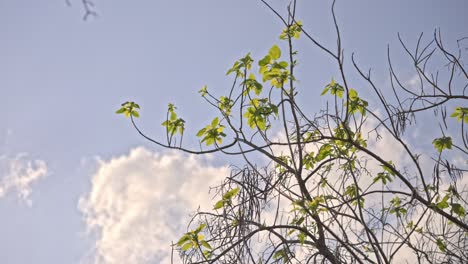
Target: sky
<point>77,183</point>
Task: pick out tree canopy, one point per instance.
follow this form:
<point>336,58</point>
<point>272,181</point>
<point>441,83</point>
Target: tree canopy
<point>327,193</point>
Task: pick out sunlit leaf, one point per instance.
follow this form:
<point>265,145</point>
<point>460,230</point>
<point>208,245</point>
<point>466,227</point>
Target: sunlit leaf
<point>275,52</point>
<point>205,244</point>
<point>219,204</point>
<point>187,246</point>
<point>204,90</point>
<point>230,194</point>
<point>183,239</point>
<point>461,113</point>
<point>442,143</point>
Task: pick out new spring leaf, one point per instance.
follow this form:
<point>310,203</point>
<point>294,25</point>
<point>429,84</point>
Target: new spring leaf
<point>129,109</point>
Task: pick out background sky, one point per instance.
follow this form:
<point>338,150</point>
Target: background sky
<point>77,184</point>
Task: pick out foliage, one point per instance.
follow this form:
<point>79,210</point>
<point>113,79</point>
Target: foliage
<point>327,193</point>
<point>173,124</point>
<point>129,109</point>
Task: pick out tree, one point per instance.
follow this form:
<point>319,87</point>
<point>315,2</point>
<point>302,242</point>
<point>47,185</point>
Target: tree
<point>326,194</point>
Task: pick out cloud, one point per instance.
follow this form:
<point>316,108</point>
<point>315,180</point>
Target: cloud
<point>413,83</point>
<point>18,175</point>
<point>140,202</point>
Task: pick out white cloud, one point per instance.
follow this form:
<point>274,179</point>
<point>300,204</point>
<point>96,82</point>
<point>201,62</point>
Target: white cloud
<point>414,83</point>
<point>18,175</point>
<point>140,202</point>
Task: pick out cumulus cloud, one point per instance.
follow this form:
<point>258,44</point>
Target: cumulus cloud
<point>140,202</point>
<point>414,82</point>
<point>18,174</point>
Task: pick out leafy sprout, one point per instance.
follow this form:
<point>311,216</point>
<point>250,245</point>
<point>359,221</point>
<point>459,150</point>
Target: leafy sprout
<point>129,109</point>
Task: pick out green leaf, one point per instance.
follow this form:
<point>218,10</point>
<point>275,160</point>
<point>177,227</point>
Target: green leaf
<point>120,111</point>
<point>219,204</point>
<point>351,191</point>
<point>206,253</point>
<point>283,64</point>
<point>230,194</point>
<point>388,169</point>
<point>443,204</point>
<point>183,239</point>
<point>205,244</point>
<point>187,246</point>
<point>201,132</point>
<point>210,141</point>
<point>383,176</point>
<point>275,52</point>
<point>279,254</point>
<point>235,68</point>
<point>458,209</point>
<point>442,143</point>
<point>199,228</point>
<point>265,61</point>
<point>338,90</point>
<point>291,232</point>
<point>402,211</point>
<point>292,31</point>
<point>461,113</point>
<point>334,88</point>
<point>300,221</point>
<point>225,104</point>
<point>314,204</point>
<point>353,95</point>
<point>204,90</point>
<point>441,245</point>
<point>215,122</point>
<point>227,197</point>
<point>325,151</point>
<point>171,107</point>
<point>323,182</point>
<point>212,133</point>
<point>261,124</point>
<point>396,201</point>
<point>410,225</point>
<point>301,236</point>
<point>325,90</point>
<point>135,114</point>
<point>173,116</point>
<point>128,109</point>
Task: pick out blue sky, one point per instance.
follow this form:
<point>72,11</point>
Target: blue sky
<point>62,78</point>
